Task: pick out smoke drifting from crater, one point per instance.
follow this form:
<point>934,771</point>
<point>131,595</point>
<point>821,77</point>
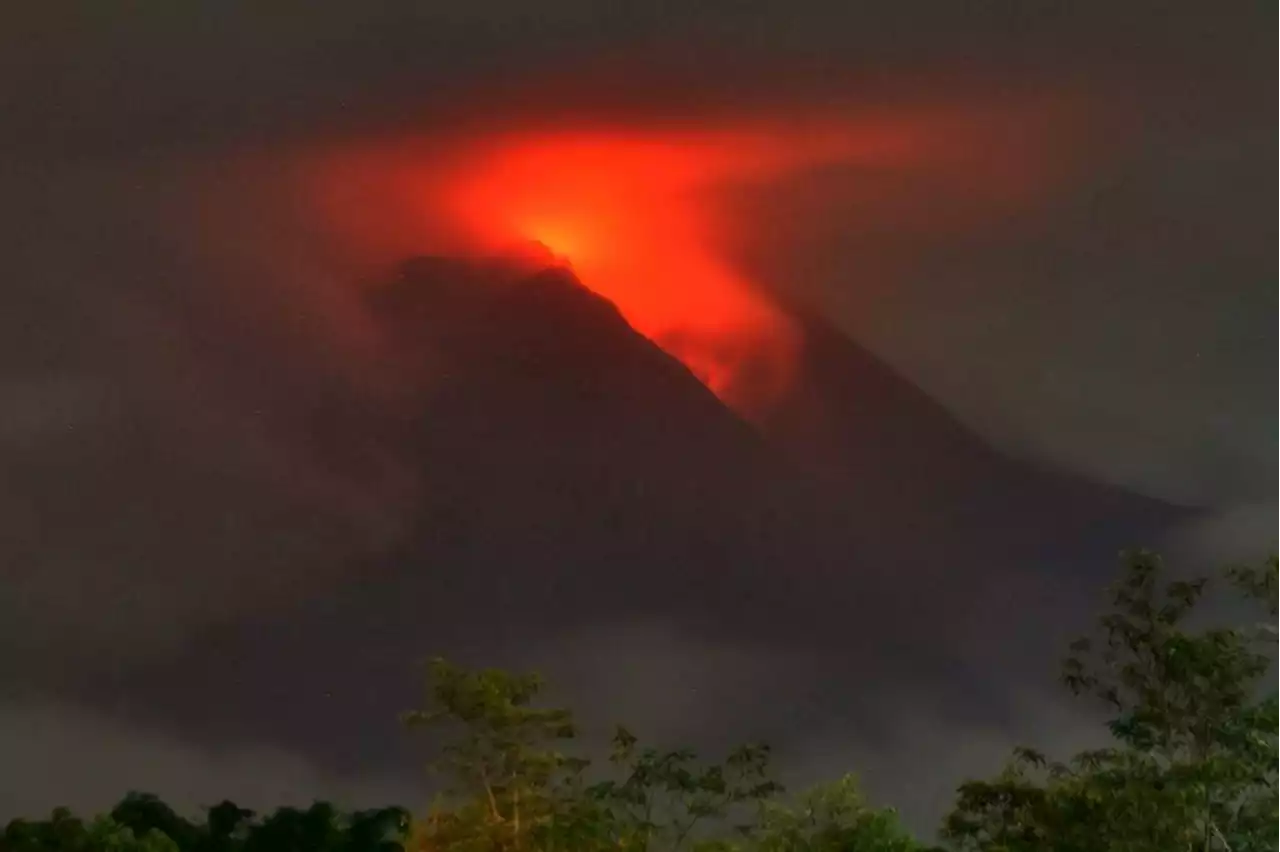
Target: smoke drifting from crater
<point>639,211</point>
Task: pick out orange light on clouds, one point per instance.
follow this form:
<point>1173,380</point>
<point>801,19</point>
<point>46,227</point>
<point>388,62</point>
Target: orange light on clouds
<point>633,216</point>
<point>636,212</point>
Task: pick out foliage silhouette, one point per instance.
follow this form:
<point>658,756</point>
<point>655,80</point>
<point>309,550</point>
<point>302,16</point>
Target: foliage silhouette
<point>1193,765</point>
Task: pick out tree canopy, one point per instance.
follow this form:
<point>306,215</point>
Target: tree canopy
<point>1193,721</point>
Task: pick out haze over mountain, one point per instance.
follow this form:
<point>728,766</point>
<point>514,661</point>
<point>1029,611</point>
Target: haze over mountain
<point>575,478</point>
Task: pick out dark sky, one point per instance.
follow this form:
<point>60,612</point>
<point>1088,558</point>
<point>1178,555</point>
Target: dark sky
<point>155,482</point>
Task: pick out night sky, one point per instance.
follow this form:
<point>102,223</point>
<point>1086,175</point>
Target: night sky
<point>253,469</point>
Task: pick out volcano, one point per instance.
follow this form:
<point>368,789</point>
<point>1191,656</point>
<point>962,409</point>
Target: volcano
<point>576,474</point>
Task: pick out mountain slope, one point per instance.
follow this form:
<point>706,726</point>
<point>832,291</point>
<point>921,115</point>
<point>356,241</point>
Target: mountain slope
<point>574,475</point>
<point>894,453</point>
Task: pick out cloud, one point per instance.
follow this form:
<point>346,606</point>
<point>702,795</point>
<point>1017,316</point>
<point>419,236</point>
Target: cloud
<point>916,766</point>
<point>1118,324</point>
<point>909,748</point>
<point>349,66</point>
<point>186,418</point>
<point>664,684</point>
<point>58,755</point>
<point>37,408</point>
<point>1232,534</point>
<point>670,689</point>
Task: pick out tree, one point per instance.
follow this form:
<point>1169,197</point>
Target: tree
<point>143,823</point>
<point>63,832</point>
<point>225,828</point>
<point>379,830</point>
<point>1194,761</point>
<point>144,813</point>
<point>505,770</point>
<point>831,817</point>
<point>668,800</point>
<point>511,787</point>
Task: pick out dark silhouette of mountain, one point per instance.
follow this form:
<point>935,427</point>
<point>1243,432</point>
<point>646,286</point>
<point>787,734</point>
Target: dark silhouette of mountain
<point>574,474</point>
<point>896,455</point>
<point>564,439</point>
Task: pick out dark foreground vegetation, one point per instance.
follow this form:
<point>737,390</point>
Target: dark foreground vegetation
<point>1192,766</point>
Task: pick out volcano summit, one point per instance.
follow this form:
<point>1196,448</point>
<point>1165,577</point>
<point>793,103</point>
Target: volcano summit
<point>574,474</point>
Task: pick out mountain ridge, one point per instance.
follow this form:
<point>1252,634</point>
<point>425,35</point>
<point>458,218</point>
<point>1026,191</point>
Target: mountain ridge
<point>575,475</point>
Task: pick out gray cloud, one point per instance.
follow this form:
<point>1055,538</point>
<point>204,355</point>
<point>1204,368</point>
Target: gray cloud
<point>39,408</point>
<point>663,684</point>
<point>917,767</point>
<point>1119,326</point>
<point>176,442</point>
<point>58,755</point>
<point>1244,532</point>
<point>92,79</point>
<point>909,749</point>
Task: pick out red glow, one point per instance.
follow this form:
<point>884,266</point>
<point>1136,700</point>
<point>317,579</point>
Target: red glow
<point>632,215</point>
<point>625,215</point>
<point>636,214</point>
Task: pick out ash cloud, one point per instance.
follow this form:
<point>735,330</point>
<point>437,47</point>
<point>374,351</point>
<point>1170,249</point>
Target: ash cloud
<point>1163,240</point>
<point>183,436</point>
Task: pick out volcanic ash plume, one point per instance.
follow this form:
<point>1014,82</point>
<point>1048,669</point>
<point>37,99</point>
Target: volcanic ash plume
<point>634,213</point>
